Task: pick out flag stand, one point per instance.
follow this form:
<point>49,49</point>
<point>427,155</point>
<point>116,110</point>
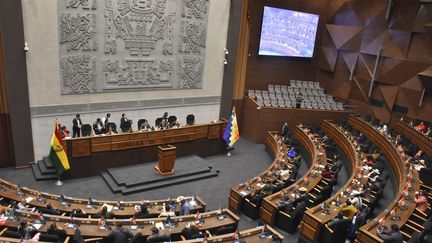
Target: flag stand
<point>58,182</point>
<point>229,151</point>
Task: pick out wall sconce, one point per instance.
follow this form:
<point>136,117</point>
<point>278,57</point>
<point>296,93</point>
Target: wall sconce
<point>26,49</point>
<point>226,51</point>
<point>225,61</point>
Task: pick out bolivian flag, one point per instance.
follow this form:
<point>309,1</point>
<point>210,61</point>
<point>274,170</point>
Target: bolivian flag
<point>231,134</point>
<point>57,153</point>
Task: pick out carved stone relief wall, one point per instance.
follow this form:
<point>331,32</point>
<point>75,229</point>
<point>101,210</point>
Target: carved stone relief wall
<point>116,45</point>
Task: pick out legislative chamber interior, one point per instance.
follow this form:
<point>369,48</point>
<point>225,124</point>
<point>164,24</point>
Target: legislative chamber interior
<point>129,121</point>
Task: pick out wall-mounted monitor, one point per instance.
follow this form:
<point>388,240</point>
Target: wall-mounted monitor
<point>288,33</point>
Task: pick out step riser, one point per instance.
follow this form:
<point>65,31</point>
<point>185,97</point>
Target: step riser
<point>163,179</point>
<point>48,163</point>
<point>168,184</point>
<point>107,181</point>
<point>44,170</point>
<point>39,176</point>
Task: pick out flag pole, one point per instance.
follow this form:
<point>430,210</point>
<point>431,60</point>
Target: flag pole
<point>58,182</point>
<point>229,151</point>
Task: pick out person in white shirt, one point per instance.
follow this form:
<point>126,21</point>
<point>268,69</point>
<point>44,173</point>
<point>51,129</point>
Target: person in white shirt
<point>105,121</point>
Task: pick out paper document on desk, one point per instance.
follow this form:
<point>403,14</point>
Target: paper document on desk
<point>29,199</point>
<point>109,207</point>
<point>37,225</point>
<point>244,193</point>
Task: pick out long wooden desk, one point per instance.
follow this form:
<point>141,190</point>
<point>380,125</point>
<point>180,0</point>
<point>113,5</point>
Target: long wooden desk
<point>314,219</point>
<point>414,136</point>
<point>239,193</point>
<point>154,207</point>
<point>250,235</point>
<point>310,179</point>
<point>90,228</point>
<point>88,156</point>
<point>368,233</point>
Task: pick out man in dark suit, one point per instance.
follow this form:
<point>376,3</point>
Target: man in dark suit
<point>158,236</point>
<point>124,123</point>
<point>98,127</point>
<point>392,236</point>
<point>120,234</point>
<point>77,124</point>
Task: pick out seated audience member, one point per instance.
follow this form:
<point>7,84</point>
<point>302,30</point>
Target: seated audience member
<point>291,153</point>
<point>421,201</point>
<point>64,132</point>
<point>285,130</point>
<point>59,232</point>
<point>348,209</point>
<point>167,211</point>
<point>158,236</point>
<point>391,236</point>
<point>98,127</point>
<point>428,132</point>
<point>356,201</point>
<point>421,127</point>
<point>120,234</point>
<point>190,231</point>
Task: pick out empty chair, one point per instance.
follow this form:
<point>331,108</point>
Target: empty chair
<point>190,119</point>
<point>86,130</point>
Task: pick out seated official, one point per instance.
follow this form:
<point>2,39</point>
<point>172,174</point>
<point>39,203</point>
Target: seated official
<point>348,209</point>
<point>391,236</point>
<point>163,125</point>
<point>336,220</point>
<point>64,132</point>
<point>176,124</point>
<point>98,127</point>
<point>142,211</point>
<point>120,234</point>
<point>168,211</point>
<point>327,172</point>
<point>23,206</point>
<point>184,205</point>
<point>421,127</point>
<point>59,232</point>
<point>158,236</point>
<point>190,231</point>
<point>421,202</point>
<point>104,213</point>
<point>26,230</point>
<point>145,126</point>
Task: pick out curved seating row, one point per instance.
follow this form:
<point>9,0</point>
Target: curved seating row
<point>414,136</point>
<point>407,183</point>
<point>315,218</point>
<point>239,194</point>
<point>270,211</point>
<point>9,191</point>
<point>91,228</point>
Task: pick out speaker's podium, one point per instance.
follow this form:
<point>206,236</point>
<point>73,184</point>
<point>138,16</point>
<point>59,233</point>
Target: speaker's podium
<point>167,156</point>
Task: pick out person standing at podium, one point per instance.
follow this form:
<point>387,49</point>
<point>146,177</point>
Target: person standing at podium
<point>77,124</point>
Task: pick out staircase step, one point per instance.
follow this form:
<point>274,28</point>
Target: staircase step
<point>44,170</point>
<point>48,163</point>
<point>159,179</point>
<point>110,182</point>
<point>148,187</point>
<point>38,175</point>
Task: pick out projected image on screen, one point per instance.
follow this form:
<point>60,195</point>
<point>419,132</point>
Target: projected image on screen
<point>287,33</point>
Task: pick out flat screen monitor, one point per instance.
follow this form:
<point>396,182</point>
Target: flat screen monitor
<point>288,33</point>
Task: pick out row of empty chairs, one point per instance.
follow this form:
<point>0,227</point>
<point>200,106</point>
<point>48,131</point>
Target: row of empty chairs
<point>313,96</point>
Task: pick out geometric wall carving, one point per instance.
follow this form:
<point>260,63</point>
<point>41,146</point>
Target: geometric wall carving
<point>131,44</point>
<point>358,30</point>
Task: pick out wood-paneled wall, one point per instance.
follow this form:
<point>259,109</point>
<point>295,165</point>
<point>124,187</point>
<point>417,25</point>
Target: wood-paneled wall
<point>349,37</point>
